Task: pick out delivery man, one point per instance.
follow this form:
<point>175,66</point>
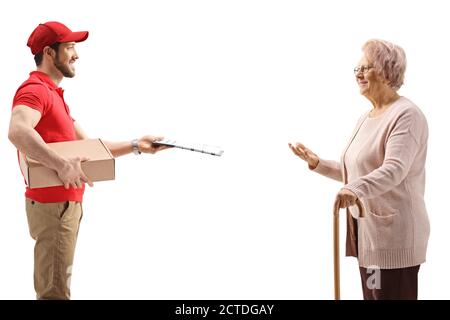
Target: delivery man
<point>40,116</point>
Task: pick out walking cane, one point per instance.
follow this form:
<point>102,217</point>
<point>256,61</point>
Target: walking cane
<point>337,277</point>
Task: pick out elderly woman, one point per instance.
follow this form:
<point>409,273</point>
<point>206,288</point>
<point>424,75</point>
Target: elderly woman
<point>383,165</point>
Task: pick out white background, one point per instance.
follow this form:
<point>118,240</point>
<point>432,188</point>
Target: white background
<point>249,76</point>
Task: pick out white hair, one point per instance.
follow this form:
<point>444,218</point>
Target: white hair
<point>388,59</point>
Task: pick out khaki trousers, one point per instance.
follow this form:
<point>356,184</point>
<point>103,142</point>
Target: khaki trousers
<point>55,227</point>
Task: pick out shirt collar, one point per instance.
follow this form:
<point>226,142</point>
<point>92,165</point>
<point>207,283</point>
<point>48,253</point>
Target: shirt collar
<point>45,78</point>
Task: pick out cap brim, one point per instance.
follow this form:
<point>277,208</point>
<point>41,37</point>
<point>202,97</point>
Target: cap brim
<point>79,36</point>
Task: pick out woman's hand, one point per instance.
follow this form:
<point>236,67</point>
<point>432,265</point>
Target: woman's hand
<point>345,198</point>
<point>305,154</point>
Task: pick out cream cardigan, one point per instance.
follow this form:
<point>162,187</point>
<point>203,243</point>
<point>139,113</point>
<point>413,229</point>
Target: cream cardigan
<point>384,164</point>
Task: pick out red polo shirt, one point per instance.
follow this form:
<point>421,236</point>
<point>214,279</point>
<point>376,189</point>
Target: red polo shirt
<point>40,93</point>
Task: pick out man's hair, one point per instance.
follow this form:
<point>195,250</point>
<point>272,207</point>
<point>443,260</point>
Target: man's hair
<point>39,56</point>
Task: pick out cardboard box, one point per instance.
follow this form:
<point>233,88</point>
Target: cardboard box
<point>99,167</point>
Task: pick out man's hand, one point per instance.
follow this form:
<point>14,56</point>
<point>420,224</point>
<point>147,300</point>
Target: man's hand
<point>345,198</point>
<point>72,175</point>
<point>147,145</point>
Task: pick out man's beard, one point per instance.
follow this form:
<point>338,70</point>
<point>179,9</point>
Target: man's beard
<point>64,69</point>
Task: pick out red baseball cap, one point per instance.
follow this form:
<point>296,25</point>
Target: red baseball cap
<point>50,32</point>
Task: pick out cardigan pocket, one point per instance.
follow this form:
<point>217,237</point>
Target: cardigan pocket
<point>382,230</point>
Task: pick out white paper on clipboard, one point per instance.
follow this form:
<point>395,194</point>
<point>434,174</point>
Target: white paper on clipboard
<point>196,147</point>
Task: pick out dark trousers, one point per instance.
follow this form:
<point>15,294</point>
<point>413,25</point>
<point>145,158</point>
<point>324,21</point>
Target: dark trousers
<point>389,284</point>
<point>382,284</point>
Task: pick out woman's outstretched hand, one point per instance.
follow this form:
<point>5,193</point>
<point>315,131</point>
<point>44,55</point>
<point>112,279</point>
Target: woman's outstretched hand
<point>305,154</point>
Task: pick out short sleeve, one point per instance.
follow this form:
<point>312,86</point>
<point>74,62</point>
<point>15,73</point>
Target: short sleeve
<point>34,96</point>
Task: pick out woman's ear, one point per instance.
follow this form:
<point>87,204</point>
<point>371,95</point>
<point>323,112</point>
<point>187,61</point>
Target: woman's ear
<point>383,80</point>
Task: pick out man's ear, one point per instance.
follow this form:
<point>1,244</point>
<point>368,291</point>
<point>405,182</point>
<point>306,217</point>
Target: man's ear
<point>49,51</point>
